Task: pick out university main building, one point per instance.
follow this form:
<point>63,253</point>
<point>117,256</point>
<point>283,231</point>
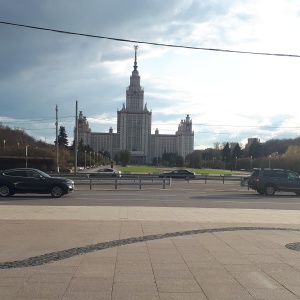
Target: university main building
<point>134,130</point>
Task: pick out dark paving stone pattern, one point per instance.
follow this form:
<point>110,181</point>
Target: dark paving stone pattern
<point>64,254</point>
<point>293,246</point>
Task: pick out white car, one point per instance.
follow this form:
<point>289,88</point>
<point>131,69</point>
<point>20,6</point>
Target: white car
<point>106,172</point>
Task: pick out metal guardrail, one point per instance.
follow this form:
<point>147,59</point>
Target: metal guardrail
<point>150,177</point>
<point>119,181</point>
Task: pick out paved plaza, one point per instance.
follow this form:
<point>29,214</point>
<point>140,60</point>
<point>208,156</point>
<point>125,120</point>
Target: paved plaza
<point>110,253</point>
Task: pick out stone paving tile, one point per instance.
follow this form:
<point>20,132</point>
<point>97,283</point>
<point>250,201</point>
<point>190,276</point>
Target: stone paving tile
<point>170,267</point>
<point>258,259</point>
<point>216,276</point>
<point>50,269</point>
<point>13,281</point>
<point>229,258</point>
<point>182,296</point>
<point>86,296</point>
<point>8,292</point>
<point>50,277</point>
<point>268,267</point>
<point>90,284</point>
<point>178,274</point>
<point>134,268</point>
<point>133,278</point>
<point>166,258</point>
<point>285,276</point>
<point>95,270</point>
<point>97,260</point>
<point>274,294</point>
<point>177,285</point>
<point>133,295</point>
<point>217,291</point>
<point>294,289</point>
<point>42,290</point>
<point>134,287</point>
<point>256,280</point>
<point>204,263</point>
<point>17,273</point>
<point>132,256</point>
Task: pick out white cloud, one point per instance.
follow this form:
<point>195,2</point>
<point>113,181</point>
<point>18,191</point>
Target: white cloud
<point>229,97</point>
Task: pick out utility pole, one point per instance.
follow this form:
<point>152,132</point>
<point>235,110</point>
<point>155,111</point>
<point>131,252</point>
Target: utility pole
<point>56,124</point>
<point>76,137</point>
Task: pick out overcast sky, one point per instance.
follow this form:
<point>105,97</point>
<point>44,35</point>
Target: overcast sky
<point>230,97</point>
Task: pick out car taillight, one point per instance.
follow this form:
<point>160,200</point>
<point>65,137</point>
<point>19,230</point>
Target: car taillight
<point>256,178</point>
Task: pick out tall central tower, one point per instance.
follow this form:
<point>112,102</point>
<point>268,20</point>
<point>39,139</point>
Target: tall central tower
<point>134,120</point>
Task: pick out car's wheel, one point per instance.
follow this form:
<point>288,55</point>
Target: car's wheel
<point>5,191</point>
<point>270,189</point>
<point>260,192</point>
<point>57,191</point>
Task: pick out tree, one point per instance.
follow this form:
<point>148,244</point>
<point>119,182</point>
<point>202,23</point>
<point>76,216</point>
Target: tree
<point>179,161</point>
<point>154,161</point>
<point>293,152</point>
<point>106,154</point>
<point>255,149</point>
<point>194,158</point>
<point>237,151</point>
<point>116,158</point>
<point>124,157</point>
<point>62,137</point>
<point>226,153</point>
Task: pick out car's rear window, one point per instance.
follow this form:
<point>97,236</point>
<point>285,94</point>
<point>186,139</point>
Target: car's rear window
<point>255,173</point>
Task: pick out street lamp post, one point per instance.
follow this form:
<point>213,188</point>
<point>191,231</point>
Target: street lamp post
<point>4,141</point>
<point>235,162</point>
<point>84,159</point>
<point>26,154</point>
<point>251,162</point>
<point>90,159</point>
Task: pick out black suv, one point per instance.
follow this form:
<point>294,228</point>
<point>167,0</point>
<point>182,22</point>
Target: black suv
<point>26,180</point>
<point>268,181</point>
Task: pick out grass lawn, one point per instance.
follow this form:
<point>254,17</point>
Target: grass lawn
<point>149,169</point>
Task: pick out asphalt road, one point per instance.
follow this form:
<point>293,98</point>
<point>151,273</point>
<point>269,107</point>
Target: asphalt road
<point>180,194</point>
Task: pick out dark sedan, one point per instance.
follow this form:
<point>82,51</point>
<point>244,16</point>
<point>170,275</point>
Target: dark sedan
<point>27,180</point>
<point>185,174</point>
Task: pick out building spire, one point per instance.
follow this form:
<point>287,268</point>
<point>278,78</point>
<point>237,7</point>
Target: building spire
<point>135,61</point>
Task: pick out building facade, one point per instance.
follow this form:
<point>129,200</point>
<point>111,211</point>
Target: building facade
<point>134,122</point>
